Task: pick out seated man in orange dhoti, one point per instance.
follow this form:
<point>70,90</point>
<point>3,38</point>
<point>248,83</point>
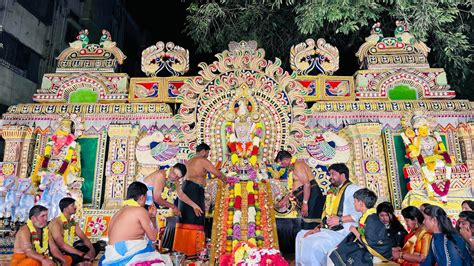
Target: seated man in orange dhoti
<point>34,245</point>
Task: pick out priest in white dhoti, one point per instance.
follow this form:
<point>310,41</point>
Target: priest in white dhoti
<point>132,232</point>
<point>313,246</point>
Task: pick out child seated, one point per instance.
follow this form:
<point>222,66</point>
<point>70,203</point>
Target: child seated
<point>367,243</point>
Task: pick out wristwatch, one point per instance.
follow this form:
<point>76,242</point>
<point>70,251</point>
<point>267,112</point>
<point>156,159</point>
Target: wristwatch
<point>340,220</point>
<point>305,202</point>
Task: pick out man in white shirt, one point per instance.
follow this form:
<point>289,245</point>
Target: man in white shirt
<point>313,246</point>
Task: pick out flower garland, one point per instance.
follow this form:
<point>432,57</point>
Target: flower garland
<point>168,183</point>
<point>246,253</point>
<point>130,202</point>
<point>291,169</point>
<point>70,155</point>
<point>237,206</point>
<point>227,221</point>
<point>442,192</point>
<point>263,222</point>
<point>43,248</point>
<point>69,229</point>
<point>333,199</point>
<point>254,215</point>
<point>362,220</point>
<point>253,223</point>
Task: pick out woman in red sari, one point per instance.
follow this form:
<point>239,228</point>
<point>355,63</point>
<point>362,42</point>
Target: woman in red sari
<point>417,242</point>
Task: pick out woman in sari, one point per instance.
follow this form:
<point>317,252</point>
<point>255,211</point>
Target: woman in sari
<point>447,247</point>
<point>417,242</point>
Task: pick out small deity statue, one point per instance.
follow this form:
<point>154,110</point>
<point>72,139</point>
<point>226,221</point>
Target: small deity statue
<point>243,133</point>
<point>427,152</point>
<point>61,160</point>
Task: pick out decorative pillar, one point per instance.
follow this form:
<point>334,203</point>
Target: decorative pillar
<point>120,166</point>
<point>466,139</point>
<point>26,154</point>
<point>13,136</point>
<point>369,158</point>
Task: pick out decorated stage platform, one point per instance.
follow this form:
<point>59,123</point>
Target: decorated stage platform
<point>394,123</point>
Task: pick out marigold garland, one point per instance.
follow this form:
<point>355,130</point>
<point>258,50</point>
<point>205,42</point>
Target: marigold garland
<point>168,183</point>
<point>291,169</point>
<point>43,248</point>
<point>130,202</point>
<point>69,229</point>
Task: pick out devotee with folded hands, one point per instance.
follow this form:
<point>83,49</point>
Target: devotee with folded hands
<point>128,229</point>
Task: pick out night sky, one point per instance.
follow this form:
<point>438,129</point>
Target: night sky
<point>151,17</point>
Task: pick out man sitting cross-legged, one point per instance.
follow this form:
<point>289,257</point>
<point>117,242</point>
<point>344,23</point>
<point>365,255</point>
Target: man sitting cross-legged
<point>64,229</point>
<point>128,228</point>
<point>313,246</point>
<point>34,245</point>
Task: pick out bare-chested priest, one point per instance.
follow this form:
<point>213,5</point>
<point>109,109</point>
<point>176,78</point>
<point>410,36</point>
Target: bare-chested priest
<point>64,229</point>
<point>132,231</point>
<point>305,190</point>
<point>34,245</point>
<point>189,236</point>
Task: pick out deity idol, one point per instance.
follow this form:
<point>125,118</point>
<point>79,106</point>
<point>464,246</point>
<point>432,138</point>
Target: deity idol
<point>244,135</point>
<point>59,168</point>
<point>427,152</point>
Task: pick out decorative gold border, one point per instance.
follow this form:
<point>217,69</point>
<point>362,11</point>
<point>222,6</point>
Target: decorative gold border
<point>87,109</point>
<point>45,91</point>
<point>272,214</point>
<point>458,106</point>
<point>101,135</point>
<point>421,70</point>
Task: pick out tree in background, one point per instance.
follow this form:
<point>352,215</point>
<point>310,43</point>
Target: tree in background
<point>445,26</point>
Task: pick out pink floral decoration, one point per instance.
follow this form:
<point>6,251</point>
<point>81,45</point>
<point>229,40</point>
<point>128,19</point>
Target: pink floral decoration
<point>97,226</point>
